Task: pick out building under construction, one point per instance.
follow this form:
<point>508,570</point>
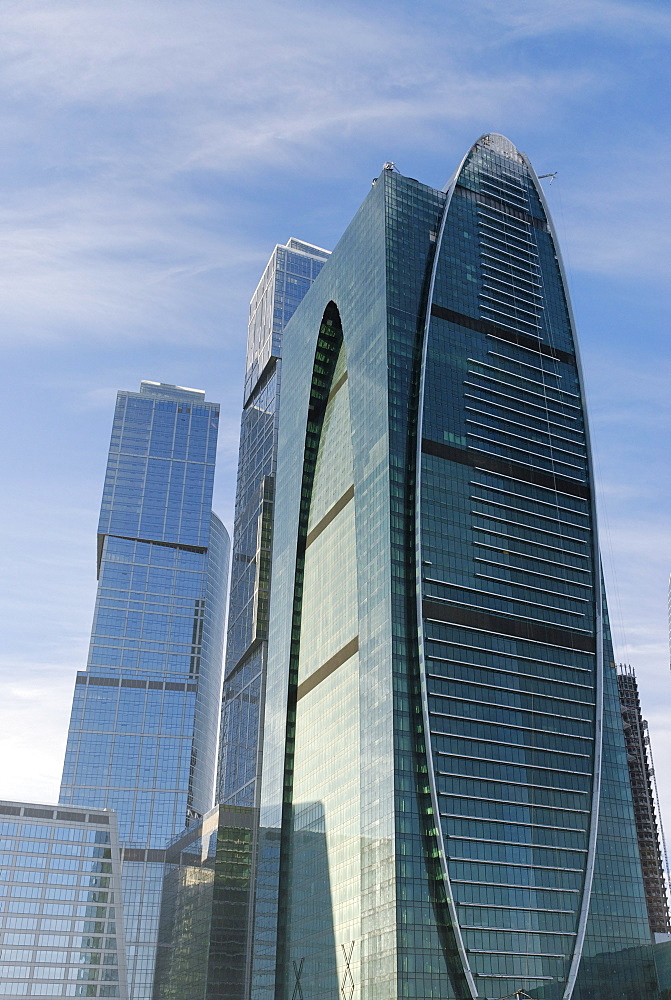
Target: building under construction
<point>643,787</point>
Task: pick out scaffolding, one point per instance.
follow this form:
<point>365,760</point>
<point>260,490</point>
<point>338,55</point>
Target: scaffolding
<point>652,847</point>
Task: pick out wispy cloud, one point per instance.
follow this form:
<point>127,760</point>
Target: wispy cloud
<point>617,218</point>
<point>148,153</point>
<point>35,699</point>
<point>113,223</point>
<point>543,17</point>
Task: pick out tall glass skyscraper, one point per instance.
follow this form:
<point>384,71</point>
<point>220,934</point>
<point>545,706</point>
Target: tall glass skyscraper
<point>290,272</point>
<point>445,805</point>
<point>143,731</point>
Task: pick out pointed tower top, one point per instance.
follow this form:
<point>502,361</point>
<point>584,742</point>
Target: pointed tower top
<point>501,145</point>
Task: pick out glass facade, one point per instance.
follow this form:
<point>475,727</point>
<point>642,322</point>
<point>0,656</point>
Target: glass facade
<point>288,276</point>
<point>205,909</point>
<point>143,731</point>
<point>445,808</point>
<point>61,925</point>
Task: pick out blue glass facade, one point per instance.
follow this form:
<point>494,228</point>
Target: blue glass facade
<point>445,805</point>
<point>143,731</point>
<point>61,925</point>
<point>290,272</point>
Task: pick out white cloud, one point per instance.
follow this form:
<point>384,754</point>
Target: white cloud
<point>107,224</point>
<point>618,216</point>
<point>632,21</point>
<point>35,700</point>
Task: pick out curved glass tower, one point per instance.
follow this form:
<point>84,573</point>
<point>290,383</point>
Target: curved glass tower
<point>445,802</point>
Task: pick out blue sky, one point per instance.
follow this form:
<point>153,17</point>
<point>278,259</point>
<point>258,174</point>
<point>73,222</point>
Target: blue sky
<point>153,152</point>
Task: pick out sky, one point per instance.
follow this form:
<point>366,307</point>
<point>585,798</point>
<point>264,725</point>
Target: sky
<point>153,152</point>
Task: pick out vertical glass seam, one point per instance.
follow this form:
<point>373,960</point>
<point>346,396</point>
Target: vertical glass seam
<point>598,619</point>
<point>449,190</point>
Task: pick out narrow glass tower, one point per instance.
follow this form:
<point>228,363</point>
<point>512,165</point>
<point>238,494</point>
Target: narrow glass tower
<point>143,731</point>
<point>445,804</point>
<point>288,275</point>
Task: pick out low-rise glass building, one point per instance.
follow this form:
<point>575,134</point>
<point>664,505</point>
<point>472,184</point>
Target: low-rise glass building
<point>205,910</point>
<point>61,918</point>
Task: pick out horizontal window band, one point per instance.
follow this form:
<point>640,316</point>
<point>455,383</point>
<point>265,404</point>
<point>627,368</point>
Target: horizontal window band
<point>526,586</point>
<point>503,467</point>
<point>531,513</point>
<point>514,843</point>
<point>518,201</point>
<point>519,388</point>
<point>525,630</point>
<point>518,267</point>
<point>508,234</point>
<point>517,746</point>
<point>550,444</point>
<point>143,854</point>
<point>509,656</point>
<point>498,292</point>
<point>339,384</point>
<point>507,781</point>
<point>546,425</point>
<point>534,954</point>
<point>508,802</point>
<point>494,288</point>
<point>525,541</point>
<point>515,322</point>
<point>471,700</point>
<point>544,409</point>
<point>201,549</point>
<point>327,668</point>
<point>507,308</point>
<point>519,225</point>
<point>329,516</point>
<point>436,715</point>
<point>503,245</point>
<point>245,657</point>
<point>496,516</point>
<point>508,552</point>
<point>487,445</point>
<point>96,681</point>
<point>516,822</point>
<point>460,602</point>
<point>434,658</point>
<point>503,597</point>
<point>525,364</point>
<point>520,282</point>
<point>513,885</point>
<point>487,327</point>
<point>525,378</point>
<point>508,219</point>
<point>509,975</point>
<point>498,204</point>
<point>517,930</point>
<point>516,864</point>
<point>522,496</point>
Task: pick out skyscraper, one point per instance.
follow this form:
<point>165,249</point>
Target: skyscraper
<point>290,272</point>
<point>641,774</point>
<point>445,803</point>
<point>143,731</point>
